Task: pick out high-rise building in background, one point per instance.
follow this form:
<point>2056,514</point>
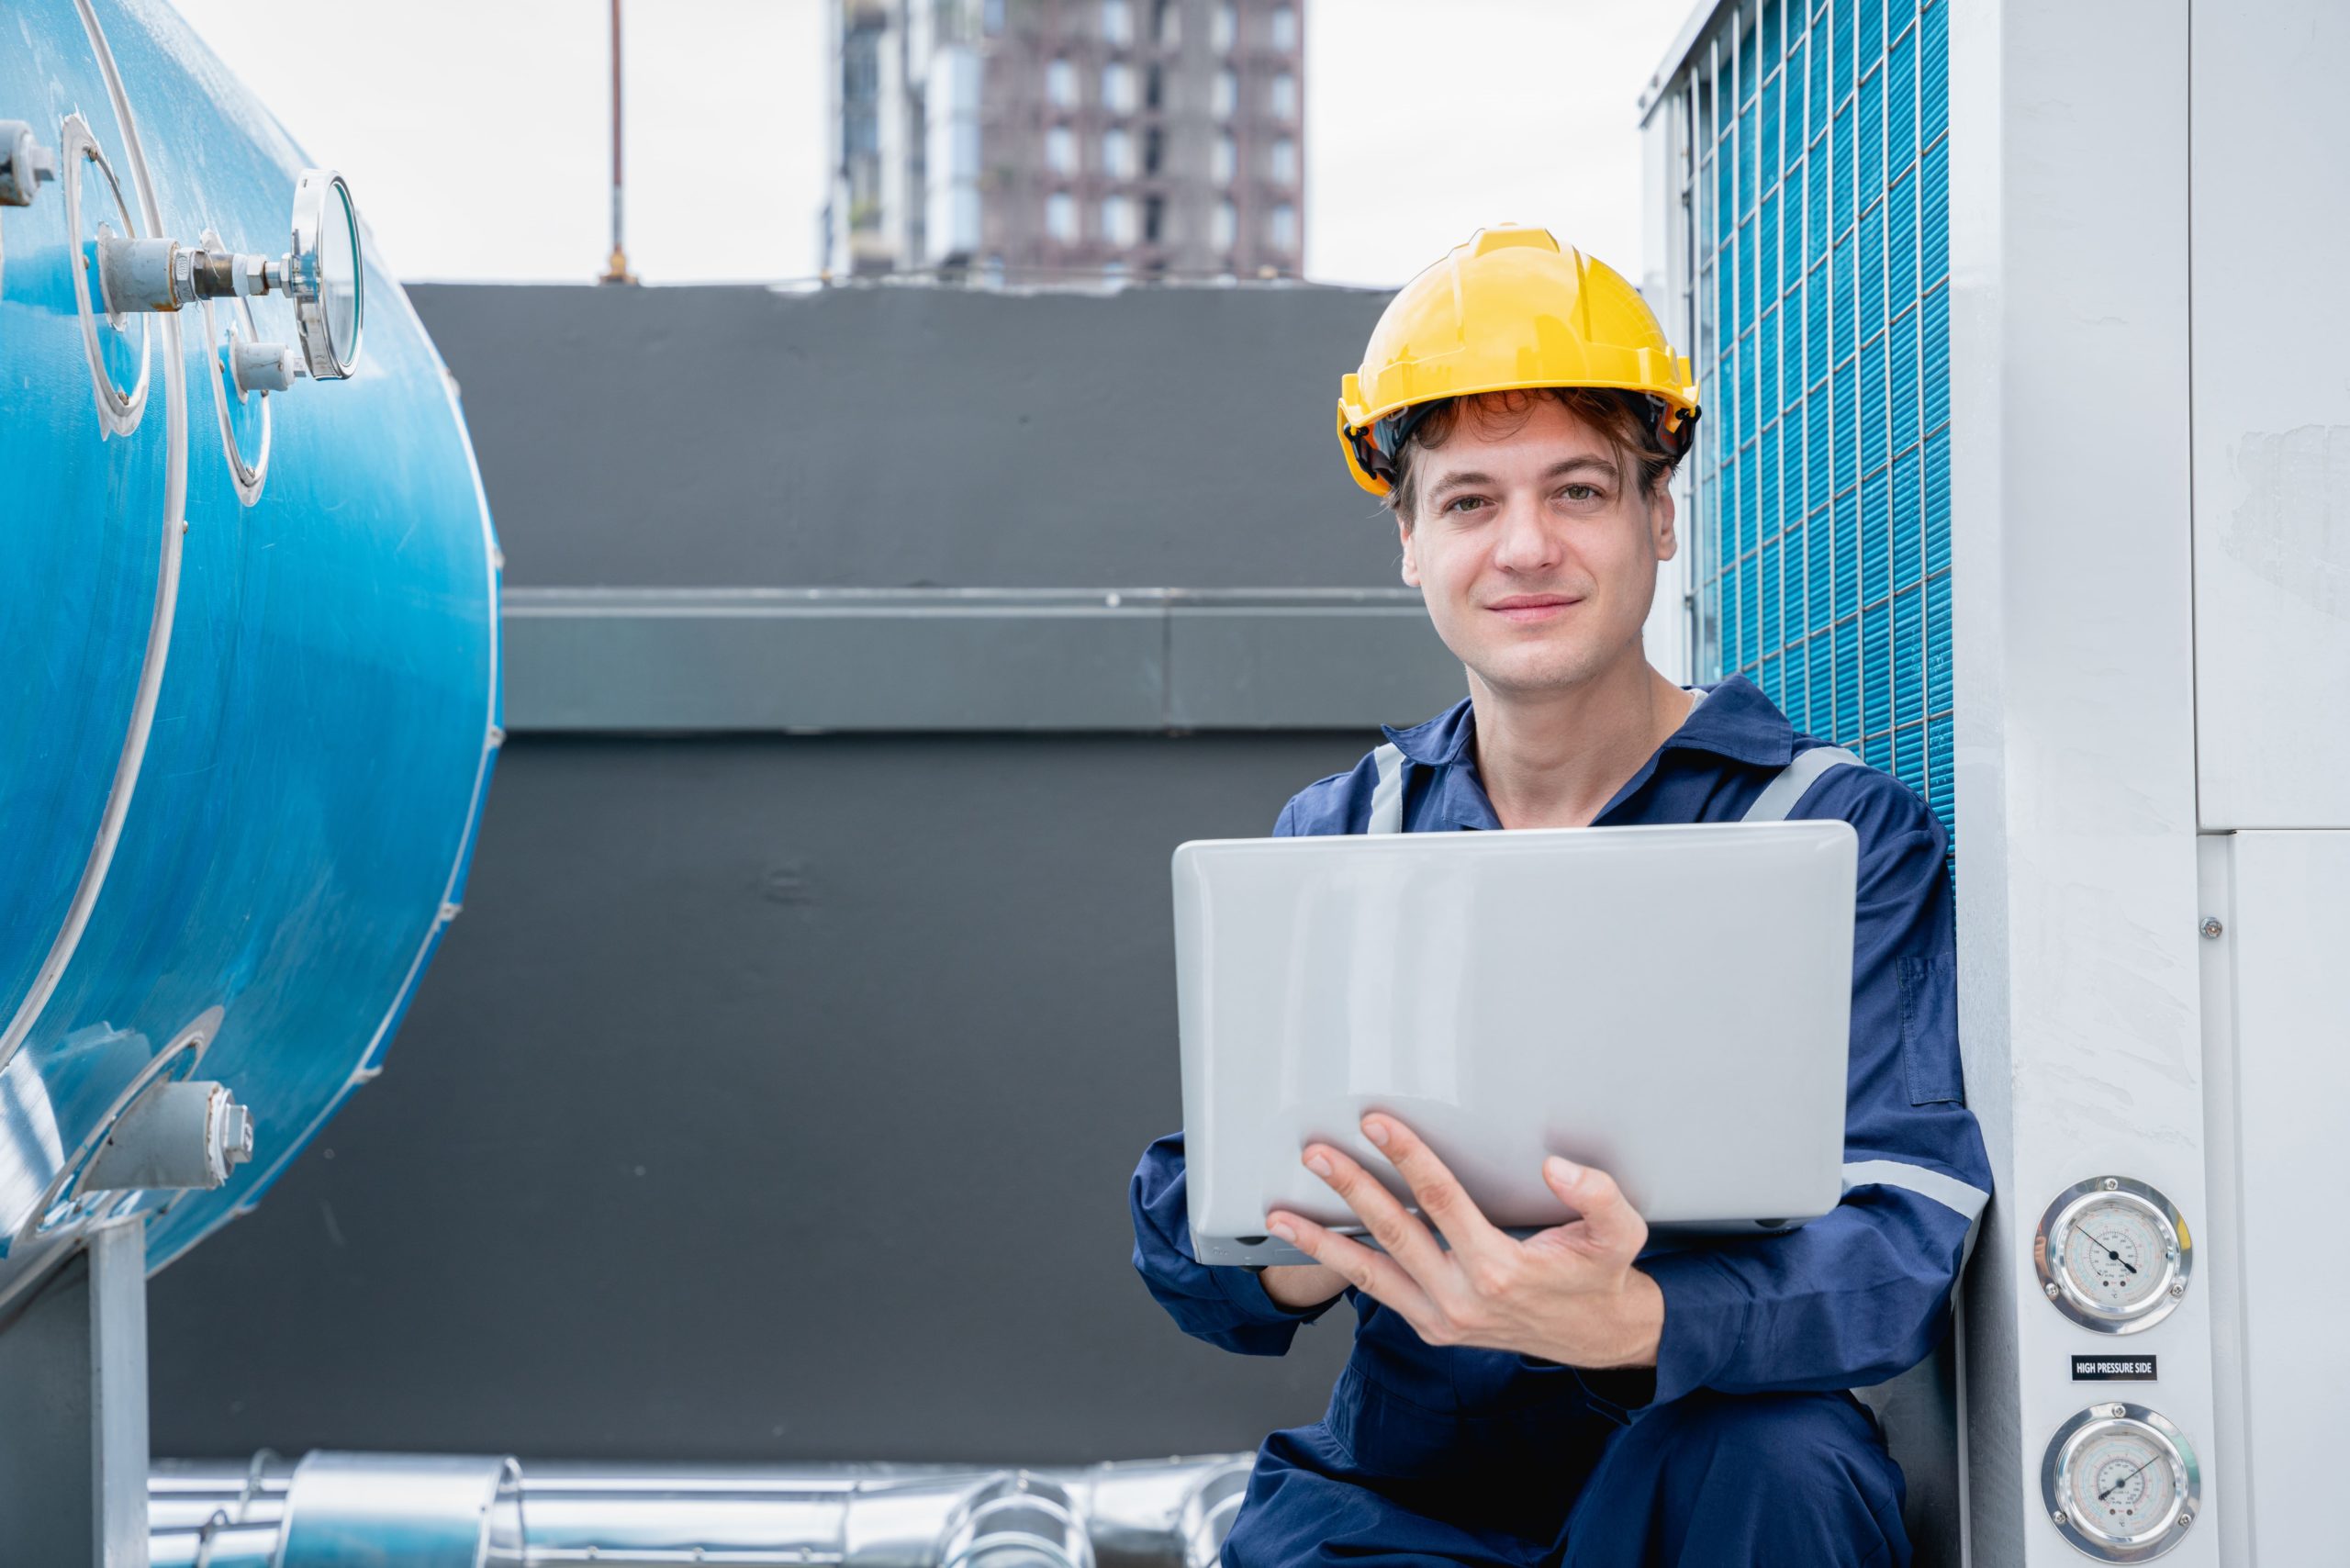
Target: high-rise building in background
<point>1062,139</point>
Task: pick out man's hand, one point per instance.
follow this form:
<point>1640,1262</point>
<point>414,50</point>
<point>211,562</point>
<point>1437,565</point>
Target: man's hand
<point>1569,1294</point>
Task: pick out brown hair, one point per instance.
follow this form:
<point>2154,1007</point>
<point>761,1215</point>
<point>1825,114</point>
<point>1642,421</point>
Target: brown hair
<point>1626,421</point>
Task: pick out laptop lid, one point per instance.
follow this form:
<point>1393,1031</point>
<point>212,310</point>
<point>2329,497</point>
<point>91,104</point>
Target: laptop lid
<point>1670,1003</point>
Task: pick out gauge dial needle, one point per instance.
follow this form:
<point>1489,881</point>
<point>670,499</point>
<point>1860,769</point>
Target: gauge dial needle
<point>2115,1256</point>
<point>2123,1482</point>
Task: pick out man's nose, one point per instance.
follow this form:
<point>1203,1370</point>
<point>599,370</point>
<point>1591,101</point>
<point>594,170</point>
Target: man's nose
<point>1527,543</point>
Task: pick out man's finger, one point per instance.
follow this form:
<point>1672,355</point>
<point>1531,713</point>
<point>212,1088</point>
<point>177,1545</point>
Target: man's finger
<point>1406,1240</point>
<point>1610,1224</point>
<point>1381,1278</point>
<point>1444,1203</point>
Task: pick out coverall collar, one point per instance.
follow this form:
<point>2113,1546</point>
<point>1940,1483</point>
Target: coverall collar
<point>1735,721</point>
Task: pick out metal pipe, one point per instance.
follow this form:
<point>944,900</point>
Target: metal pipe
<point>406,1509</point>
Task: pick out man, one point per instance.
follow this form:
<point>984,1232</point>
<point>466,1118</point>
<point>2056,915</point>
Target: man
<point>1578,1397</point>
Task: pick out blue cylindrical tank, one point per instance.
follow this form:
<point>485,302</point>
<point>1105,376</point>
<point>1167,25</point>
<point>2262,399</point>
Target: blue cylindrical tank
<point>251,708</point>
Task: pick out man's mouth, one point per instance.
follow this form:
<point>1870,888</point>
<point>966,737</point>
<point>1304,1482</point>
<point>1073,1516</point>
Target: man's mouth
<point>1528,609</point>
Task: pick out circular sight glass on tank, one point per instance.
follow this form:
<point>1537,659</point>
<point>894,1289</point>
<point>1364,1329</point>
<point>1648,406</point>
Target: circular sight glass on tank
<point>2121,1484</point>
<point>2113,1255</point>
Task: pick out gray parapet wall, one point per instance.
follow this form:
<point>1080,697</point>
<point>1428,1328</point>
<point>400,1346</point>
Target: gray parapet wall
<point>774,1097</point>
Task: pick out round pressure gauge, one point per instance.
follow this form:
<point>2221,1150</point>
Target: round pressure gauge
<point>2120,1483</point>
<point>325,275</point>
<point>2113,1255</point>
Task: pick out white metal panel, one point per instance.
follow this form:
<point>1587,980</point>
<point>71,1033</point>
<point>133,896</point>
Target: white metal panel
<point>1663,236</point>
<point>2075,757</point>
<point>2274,1040</point>
<point>2272,413</point>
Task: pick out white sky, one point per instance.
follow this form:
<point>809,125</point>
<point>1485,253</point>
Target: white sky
<point>475,132</point>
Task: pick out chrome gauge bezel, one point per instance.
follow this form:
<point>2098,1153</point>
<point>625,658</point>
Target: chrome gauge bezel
<point>2056,1483</point>
<point>320,197</point>
<point>2070,1297</point>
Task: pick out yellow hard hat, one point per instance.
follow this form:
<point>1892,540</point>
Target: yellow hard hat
<point>1509,309</point>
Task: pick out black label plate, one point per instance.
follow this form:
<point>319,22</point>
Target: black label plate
<point>2114,1369</point>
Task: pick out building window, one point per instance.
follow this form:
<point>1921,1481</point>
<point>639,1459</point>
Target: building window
<point>1118,87</point>
<point>1227,95</point>
<point>1060,150</point>
<point>1152,147</point>
<point>1118,220</point>
<point>1060,216</point>
<point>1225,30</point>
<point>1228,225</point>
<point>1285,96</point>
<point>1060,85</point>
<point>1117,154</point>
<point>1154,217</point>
<point>1167,21</point>
<point>1226,162</point>
<point>1281,228</point>
<point>1283,164</point>
<point>1284,27</point>
<point>1118,22</point>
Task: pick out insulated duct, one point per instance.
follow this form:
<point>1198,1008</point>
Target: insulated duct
<point>340,1510</point>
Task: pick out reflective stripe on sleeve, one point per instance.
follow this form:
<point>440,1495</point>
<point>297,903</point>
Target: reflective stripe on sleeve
<point>1965,1200</point>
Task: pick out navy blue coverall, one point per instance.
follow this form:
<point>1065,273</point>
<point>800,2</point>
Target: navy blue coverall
<point>1741,1446</point>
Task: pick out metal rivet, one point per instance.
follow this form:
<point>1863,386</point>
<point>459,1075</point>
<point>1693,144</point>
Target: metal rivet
<point>2211,928</point>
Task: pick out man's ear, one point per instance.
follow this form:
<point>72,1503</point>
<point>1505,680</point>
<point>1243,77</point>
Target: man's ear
<point>1411,560</point>
<point>1661,523</point>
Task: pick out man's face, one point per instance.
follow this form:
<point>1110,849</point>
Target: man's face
<point>1534,550</point>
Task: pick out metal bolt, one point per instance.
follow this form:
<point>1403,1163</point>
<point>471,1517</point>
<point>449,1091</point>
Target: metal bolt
<point>2057,1517</point>
<point>2184,1520</point>
<point>2211,929</point>
<point>2111,1185</point>
<point>2178,1287</point>
<point>2170,1254</point>
<point>2050,1288</point>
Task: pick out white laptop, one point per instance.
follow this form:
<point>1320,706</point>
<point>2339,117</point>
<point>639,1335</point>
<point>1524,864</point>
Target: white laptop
<point>1669,1004</point>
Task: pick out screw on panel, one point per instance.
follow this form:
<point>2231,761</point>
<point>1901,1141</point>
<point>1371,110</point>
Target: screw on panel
<point>449,910</point>
<point>2111,1185</point>
<point>2211,928</point>
<point>2178,1287</point>
<point>2057,1517</point>
<point>2184,1520</point>
<point>2050,1289</point>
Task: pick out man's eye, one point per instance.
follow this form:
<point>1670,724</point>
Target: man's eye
<point>1581,492</point>
<point>1464,503</point>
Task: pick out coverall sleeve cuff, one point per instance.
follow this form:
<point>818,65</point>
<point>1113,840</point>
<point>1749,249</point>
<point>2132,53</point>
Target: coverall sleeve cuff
<point>1706,1310</point>
<point>1245,1292</point>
